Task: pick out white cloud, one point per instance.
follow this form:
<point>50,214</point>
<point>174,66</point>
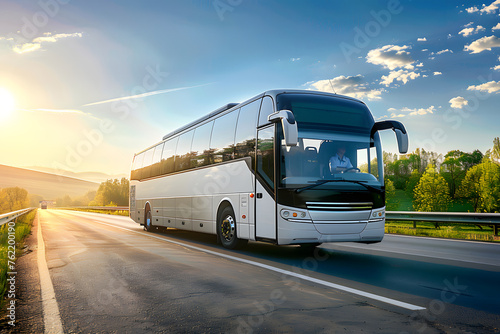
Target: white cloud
<point>36,44</point>
<point>496,68</point>
<point>420,65</point>
<point>484,43</point>
<point>437,73</point>
<point>471,31</point>
<point>423,39</point>
<point>395,113</point>
<point>424,76</point>
<point>458,102</point>
<point>444,51</point>
<point>391,57</point>
<point>490,87</point>
<point>491,9</point>
<point>294,59</point>
<point>449,36</point>
<point>468,24</point>
<point>26,47</point>
<point>466,32</point>
<point>497,27</point>
<point>354,86</point>
<point>471,10</point>
<point>402,75</point>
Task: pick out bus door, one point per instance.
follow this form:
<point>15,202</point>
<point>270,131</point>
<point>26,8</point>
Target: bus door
<point>265,204</point>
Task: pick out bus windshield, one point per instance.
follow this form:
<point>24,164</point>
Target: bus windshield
<point>335,142</point>
<point>331,156</point>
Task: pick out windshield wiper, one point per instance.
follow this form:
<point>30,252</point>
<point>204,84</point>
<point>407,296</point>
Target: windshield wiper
<point>320,182</point>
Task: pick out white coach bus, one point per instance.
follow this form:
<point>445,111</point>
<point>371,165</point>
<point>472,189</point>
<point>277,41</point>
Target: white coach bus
<point>287,167</point>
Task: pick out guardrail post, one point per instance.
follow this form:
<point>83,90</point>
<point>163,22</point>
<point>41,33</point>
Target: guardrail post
<point>414,224</point>
<point>495,229</point>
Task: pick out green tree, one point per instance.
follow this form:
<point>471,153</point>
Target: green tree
<point>471,187</point>
<point>412,182</point>
<point>495,152</point>
<point>112,192</point>
<point>490,186</point>
<point>392,202</point>
<point>12,199</point>
<point>481,186</point>
<point>431,193</point>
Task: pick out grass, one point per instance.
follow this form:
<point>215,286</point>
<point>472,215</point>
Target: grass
<point>22,229</point>
<point>445,230</point>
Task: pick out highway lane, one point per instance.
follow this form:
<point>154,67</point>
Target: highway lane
<point>111,276</point>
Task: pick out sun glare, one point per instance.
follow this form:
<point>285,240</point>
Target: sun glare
<point>7,103</point>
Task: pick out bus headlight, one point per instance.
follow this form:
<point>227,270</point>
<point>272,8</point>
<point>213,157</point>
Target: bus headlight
<point>377,215</point>
<point>293,214</point>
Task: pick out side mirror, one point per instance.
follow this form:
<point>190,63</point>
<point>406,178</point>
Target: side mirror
<point>402,141</point>
<point>290,131</point>
<point>398,128</point>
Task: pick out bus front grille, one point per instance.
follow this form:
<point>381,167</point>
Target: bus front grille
<point>337,206</point>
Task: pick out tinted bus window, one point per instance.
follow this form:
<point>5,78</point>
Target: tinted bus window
<point>266,109</point>
<point>168,156</point>
<point>137,165</point>
<point>222,142</point>
<point>155,167</point>
<point>265,155</point>
<point>246,130</point>
<point>201,145</point>
<point>183,152</point>
<point>146,165</point>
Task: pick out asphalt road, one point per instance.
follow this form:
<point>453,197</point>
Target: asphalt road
<point>109,275</point>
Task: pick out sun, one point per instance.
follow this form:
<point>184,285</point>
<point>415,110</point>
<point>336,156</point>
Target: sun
<point>7,103</point>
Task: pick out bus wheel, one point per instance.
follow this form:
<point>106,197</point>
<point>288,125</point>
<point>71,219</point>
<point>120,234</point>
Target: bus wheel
<point>148,223</point>
<point>226,229</point>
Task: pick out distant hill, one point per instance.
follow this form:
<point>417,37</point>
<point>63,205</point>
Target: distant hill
<point>47,185</point>
<point>89,176</point>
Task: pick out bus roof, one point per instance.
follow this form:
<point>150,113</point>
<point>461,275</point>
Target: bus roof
<point>273,93</point>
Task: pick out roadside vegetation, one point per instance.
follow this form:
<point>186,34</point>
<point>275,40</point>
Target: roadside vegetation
<point>22,229</point>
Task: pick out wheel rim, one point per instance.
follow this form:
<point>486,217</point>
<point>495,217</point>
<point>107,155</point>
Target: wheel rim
<point>148,220</point>
<point>228,228</point>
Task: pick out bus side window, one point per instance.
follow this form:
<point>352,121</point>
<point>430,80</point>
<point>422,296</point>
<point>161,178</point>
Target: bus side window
<point>222,142</point>
<point>183,152</point>
<point>266,109</point>
<point>246,131</point>
<point>137,165</point>
<point>265,155</point>
<point>155,168</point>
<point>168,156</point>
<point>146,165</point>
<point>201,146</point>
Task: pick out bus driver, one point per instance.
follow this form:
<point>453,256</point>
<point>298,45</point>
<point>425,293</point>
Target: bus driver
<point>339,161</point>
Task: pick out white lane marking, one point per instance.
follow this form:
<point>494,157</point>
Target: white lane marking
<point>51,317</point>
<point>282,271</point>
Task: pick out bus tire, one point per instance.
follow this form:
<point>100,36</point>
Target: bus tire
<point>226,229</point>
<point>148,221</point>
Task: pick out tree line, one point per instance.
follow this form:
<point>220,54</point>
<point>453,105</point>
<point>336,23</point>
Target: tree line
<point>434,182</point>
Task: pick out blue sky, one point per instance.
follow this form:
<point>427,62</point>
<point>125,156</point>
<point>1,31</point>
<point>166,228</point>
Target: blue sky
<point>93,82</point>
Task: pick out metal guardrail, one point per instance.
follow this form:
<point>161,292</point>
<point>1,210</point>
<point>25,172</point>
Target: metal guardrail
<point>480,219</point>
<point>108,208</point>
<point>7,217</point>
